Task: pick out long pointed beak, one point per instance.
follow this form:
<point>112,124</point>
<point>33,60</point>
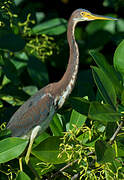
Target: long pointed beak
<point>99,17</point>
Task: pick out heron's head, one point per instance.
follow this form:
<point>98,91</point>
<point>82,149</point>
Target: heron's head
<point>85,15</point>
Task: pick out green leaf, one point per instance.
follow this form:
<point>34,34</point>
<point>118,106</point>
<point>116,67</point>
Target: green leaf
<point>52,27</point>
<point>30,90</point>
<point>10,71</point>
<point>120,146</point>
<point>18,63</point>
<point>17,2</point>
<point>40,16</point>
<point>40,138</point>
<point>48,150</point>
<point>56,125</point>
<point>12,92</point>
<point>104,152</point>
<point>20,60</point>
<point>95,26</point>
<point>11,41</point>
<point>110,129</point>
<point>119,58</point>
<point>122,98</point>
<point>107,68</point>
<point>11,148</point>
<point>77,119</point>
<point>120,25</point>
<point>103,112</point>
<point>37,71</point>
<point>113,169</point>
<point>84,138</point>
<point>81,105</point>
<point>105,86</point>
<point>40,167</point>
<point>22,176</point>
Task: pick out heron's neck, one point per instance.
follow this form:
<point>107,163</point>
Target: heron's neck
<point>67,82</point>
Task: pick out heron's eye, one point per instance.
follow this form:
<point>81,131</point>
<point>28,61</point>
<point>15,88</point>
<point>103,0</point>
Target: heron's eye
<point>81,13</point>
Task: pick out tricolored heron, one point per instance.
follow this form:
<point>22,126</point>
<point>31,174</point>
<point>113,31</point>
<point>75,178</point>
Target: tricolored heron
<point>34,116</point>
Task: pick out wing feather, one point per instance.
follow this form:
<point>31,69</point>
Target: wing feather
<point>33,112</point>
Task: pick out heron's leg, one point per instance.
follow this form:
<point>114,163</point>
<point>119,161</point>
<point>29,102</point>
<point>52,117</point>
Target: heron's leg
<point>33,135</point>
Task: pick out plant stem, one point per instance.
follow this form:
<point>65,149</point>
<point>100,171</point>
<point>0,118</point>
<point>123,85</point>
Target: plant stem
<point>68,165</point>
<point>20,164</point>
<point>116,132</point>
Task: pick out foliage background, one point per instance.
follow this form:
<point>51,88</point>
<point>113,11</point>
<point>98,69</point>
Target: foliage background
<point>34,52</point>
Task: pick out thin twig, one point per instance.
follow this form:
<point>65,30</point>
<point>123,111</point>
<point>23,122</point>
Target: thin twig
<point>116,132</point>
<point>75,176</point>
<point>68,165</point>
<point>65,167</point>
<point>90,153</point>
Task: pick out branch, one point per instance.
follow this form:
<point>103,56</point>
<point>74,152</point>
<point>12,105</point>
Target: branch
<point>116,132</point>
<point>68,165</point>
<point>75,176</point>
<point>65,167</point>
<point>90,153</point>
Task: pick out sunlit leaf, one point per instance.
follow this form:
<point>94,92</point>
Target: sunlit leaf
<point>17,2</point>
<point>120,25</point>
<point>40,16</point>
<point>48,150</point>
<point>10,71</point>
<point>77,119</point>
<point>11,148</point>
<point>40,138</point>
<point>12,100</point>
<point>103,112</point>
<point>41,167</point>
<point>119,58</point>
<point>105,86</point>
<point>22,176</point>
<point>52,27</point>
<point>108,69</point>
<point>84,138</point>
<point>10,92</point>
<point>56,125</point>
<point>95,26</point>
<point>30,90</point>
<point>5,80</point>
